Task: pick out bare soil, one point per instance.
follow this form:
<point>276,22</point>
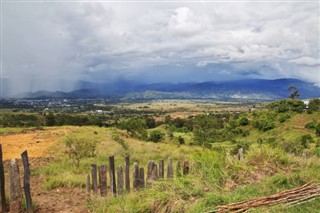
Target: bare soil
<point>39,144</point>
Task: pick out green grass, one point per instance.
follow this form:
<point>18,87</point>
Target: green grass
<point>215,179</point>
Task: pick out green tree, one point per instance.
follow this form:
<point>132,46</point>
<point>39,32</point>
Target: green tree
<point>50,119</point>
<point>205,129</point>
<point>156,136</point>
<point>294,93</point>
<point>79,148</point>
<point>135,127</point>
<point>314,105</point>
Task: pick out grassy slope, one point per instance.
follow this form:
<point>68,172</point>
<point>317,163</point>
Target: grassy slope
<point>216,180</point>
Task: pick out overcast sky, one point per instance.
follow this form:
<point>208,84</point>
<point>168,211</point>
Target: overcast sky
<point>157,42</point>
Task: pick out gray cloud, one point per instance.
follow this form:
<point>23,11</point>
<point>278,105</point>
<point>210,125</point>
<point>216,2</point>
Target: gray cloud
<point>206,41</point>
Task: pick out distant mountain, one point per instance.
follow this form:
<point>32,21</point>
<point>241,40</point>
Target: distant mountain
<point>249,89</point>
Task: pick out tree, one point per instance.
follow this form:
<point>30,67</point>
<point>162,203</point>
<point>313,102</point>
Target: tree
<point>314,105</point>
<point>205,129</point>
<point>79,148</point>
<point>294,93</point>
<point>135,127</point>
<point>50,119</point>
<point>156,136</point>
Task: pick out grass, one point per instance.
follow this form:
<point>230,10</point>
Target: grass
<point>215,179</point>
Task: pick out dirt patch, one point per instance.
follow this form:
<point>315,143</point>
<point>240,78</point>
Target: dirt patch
<point>38,143</point>
<point>58,200</point>
<point>66,200</point>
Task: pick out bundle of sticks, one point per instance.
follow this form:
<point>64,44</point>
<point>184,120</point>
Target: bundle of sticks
<point>290,197</point>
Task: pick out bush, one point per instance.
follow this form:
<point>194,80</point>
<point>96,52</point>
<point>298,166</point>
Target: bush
<point>244,121</point>
<point>156,136</point>
<point>310,125</point>
<point>283,118</point>
<point>79,148</point>
<point>314,105</point>
<point>318,130</point>
<point>305,140</point>
<point>181,140</point>
<point>293,147</point>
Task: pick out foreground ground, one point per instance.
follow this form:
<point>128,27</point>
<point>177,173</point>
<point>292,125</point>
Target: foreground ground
<point>216,178</point>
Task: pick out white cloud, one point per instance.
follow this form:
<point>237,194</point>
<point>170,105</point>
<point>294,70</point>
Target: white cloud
<point>94,41</point>
<point>306,61</point>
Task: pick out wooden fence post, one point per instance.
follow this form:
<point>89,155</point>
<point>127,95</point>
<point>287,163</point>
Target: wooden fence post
<point>178,169</point>
<point>186,168</point>
<point>112,176</point>
<point>154,174</point>
<point>26,181</point>
<point>15,188</point>
<point>103,180</point>
<point>149,171</point>
<point>141,176</point>
<point>161,169</point>
<point>170,168</point>
<point>88,186</point>
<point>127,172</point>
<point>120,180</point>
<point>240,154</point>
<point>2,184</point>
<point>94,178</point>
<point>136,176</point>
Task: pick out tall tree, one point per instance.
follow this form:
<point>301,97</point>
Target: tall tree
<point>294,93</point>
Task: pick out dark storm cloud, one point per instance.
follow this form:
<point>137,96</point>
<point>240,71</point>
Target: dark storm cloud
<point>172,41</point>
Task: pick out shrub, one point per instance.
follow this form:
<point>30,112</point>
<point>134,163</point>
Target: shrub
<point>310,125</point>
<point>181,140</point>
<point>305,140</point>
<point>283,118</point>
<point>314,105</point>
<point>79,148</point>
<point>156,136</point>
<point>244,121</point>
<point>318,130</point>
<point>293,147</point>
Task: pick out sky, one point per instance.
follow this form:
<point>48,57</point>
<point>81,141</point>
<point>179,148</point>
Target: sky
<point>51,45</point>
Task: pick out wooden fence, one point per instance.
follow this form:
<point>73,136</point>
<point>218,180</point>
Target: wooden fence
<point>120,183</point>
<point>15,190</point>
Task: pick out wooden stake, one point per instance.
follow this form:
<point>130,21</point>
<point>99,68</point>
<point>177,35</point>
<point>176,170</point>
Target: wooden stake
<point>15,188</point>
<point>26,181</point>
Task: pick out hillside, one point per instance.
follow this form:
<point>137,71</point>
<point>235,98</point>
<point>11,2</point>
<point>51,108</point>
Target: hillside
<point>239,90</point>
<point>281,151</point>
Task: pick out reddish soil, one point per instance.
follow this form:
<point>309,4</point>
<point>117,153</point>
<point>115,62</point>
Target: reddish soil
<point>57,200</point>
<point>38,144</point>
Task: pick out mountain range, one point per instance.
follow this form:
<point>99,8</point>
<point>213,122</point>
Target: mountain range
<point>247,89</point>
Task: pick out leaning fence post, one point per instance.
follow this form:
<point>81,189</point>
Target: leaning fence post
<point>240,154</point>
<point>88,186</point>
<point>112,176</point>
<point>94,178</point>
<point>186,168</point>
<point>169,168</point>
<point>141,176</point>
<point>26,181</point>
<point>120,180</point>
<point>161,169</point>
<point>127,172</point>
<point>2,184</point>
<point>103,180</point>
<point>15,188</point>
<point>178,169</point>
<point>136,176</point>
